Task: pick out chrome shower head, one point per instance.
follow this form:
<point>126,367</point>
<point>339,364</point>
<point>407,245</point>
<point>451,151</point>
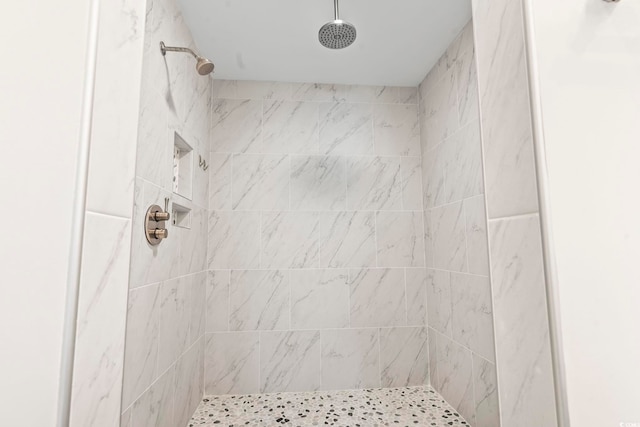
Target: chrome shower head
<point>203,65</point>
<point>337,34</point>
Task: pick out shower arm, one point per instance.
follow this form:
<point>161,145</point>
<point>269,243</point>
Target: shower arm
<point>335,9</point>
<point>164,49</point>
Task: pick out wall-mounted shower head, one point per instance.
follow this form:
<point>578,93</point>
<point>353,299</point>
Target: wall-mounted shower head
<point>337,34</point>
<point>203,65</point>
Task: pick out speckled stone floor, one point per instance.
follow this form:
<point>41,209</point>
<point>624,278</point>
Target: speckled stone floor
<point>409,406</point>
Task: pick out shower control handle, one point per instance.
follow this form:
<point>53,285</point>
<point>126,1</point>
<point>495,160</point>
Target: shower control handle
<point>154,224</point>
<point>159,233</point>
<point>160,216</point>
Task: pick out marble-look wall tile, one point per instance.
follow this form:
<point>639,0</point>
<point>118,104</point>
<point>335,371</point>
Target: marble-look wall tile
<point>125,418</point>
<point>439,301</point>
<point>290,127</point>
<point>141,344</point>
<point>377,297</point>
<point>467,78</point>
<point>485,391</point>
<point>347,239</point>
<point>155,407</point>
<point>522,332</point>
<point>193,242</point>
<point>198,320</point>
<point>350,359</point>
<point>404,357</point>
<point>399,237</point>
<point>396,130</point>
<point>290,240</point>
<point>318,183</point>
<point>455,379</point>
<point>217,312</point>
<point>98,367</point>
<point>220,181</point>
<point>463,169</point>
<point>232,363</point>
<point>175,319</point>
<point>472,313</point>
<point>374,183</point>
<point>433,184</point>
<point>234,240</point>
<point>411,170</point>
<point>259,300</point>
<point>346,129</point>
<point>188,383</point>
<point>428,240</point>
<point>449,238</point>
<point>260,182</point>
<point>153,140</point>
<point>290,361</point>
<point>476,231</point>
<point>506,117</point>
<point>236,126</point>
<point>433,357</point>
<point>416,283</point>
<point>247,89</point>
<point>319,299</point>
<point>440,111</point>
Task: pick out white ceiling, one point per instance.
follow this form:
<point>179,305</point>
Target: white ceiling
<point>398,40</point>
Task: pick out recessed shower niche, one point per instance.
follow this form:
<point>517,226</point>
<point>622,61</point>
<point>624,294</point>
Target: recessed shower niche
<point>182,167</point>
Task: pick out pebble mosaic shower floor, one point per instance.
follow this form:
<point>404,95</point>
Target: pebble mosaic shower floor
<point>409,406</point>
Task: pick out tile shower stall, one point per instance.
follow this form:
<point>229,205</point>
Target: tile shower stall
<point>333,241</point>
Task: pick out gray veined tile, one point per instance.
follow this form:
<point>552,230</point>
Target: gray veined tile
<point>522,332</point>
<point>476,229</point>
<point>463,168</point>
<point>197,327</point>
<point>319,299</point>
<point>433,184</point>
<point>428,239</point>
<point>400,239</point>
<point>234,240</point>
<point>236,126</point>
<point>396,130</point>
<point>317,92</point>
<point>290,127</point>
<point>506,118</point>
<point>248,89</point>
<point>260,182</point>
<point>472,314</point>
<point>141,344</point>
<point>439,301</point>
<point>217,301</point>
<point>220,181</point>
<point>440,114</point>
<point>232,363</point>
<point>155,407</point>
<point>467,78</point>
<point>346,129</point>
<point>347,239</point>
<point>485,390</point>
<point>153,140</point>
<point>175,319</point>
<point>318,183</point>
<point>433,357</point>
<point>449,238</point>
<point>193,242</point>
<point>290,240</point>
<point>188,383</point>
<point>416,284</point>
<point>290,361</point>
<point>259,300</point>
<point>350,359</point>
<point>377,297</point>
<point>374,183</point>
<point>455,377</point>
<point>411,169</point>
<point>404,358</point>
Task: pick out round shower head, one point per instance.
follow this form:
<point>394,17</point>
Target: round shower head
<point>204,66</point>
<point>337,34</point>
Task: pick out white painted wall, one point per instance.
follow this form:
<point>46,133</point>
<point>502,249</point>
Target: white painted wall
<point>589,63</point>
<point>41,80</point>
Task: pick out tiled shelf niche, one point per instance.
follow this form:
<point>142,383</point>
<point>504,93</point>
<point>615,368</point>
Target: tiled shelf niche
<point>181,216</point>
<point>182,167</point>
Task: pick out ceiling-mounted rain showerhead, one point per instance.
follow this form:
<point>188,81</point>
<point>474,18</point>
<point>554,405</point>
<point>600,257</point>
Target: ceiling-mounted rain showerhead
<point>203,65</point>
<point>337,34</point>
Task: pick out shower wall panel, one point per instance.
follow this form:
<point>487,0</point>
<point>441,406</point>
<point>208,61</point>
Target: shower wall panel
<point>460,309</point>
<point>164,354</point>
<point>316,259</point>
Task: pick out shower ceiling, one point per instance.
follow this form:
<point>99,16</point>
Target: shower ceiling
<point>398,40</point>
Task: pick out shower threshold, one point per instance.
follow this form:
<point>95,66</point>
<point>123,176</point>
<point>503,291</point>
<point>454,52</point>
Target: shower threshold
<point>407,406</point>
